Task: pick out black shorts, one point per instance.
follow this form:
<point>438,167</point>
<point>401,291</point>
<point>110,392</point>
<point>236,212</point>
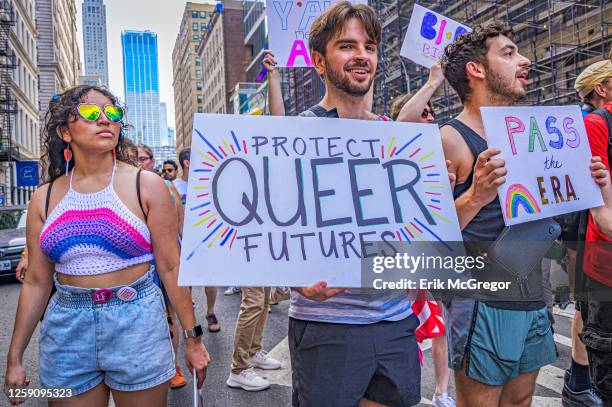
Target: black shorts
<point>597,337</point>
<point>336,365</point>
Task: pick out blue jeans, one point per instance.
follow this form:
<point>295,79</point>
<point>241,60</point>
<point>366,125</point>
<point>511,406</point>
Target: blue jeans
<point>123,343</point>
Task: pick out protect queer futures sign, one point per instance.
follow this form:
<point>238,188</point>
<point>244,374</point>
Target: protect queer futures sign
<point>291,201</point>
<point>547,156</point>
<point>427,35</point>
<point>289,24</point>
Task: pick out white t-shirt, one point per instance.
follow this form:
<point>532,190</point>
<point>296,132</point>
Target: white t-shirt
<point>181,187</point>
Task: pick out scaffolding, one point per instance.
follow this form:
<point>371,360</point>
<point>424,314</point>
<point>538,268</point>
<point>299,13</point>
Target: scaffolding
<point>560,38</point>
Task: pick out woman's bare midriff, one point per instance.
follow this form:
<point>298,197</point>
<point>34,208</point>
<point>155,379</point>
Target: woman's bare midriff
<point>124,276</point>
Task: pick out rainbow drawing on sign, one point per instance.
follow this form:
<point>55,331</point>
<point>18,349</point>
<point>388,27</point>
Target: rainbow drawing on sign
<point>517,195</point>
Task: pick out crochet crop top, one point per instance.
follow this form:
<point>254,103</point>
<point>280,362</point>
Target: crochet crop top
<point>94,233</point>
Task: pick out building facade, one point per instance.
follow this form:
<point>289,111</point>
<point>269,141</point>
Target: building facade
<point>302,88</point>
<point>163,153</point>
<point>95,48</point>
<point>163,124</point>
<point>91,80</point>
<point>19,119</point>
<point>171,141</point>
<point>141,85</point>
<point>57,50</point>
<point>560,38</point>
<point>252,95</point>
<point>187,70</point>
<point>224,58</point>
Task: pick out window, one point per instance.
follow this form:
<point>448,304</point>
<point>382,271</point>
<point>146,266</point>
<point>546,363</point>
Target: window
<point>199,86</point>
<point>195,26</point>
<point>200,99</point>
<point>202,14</point>
<point>194,14</point>
<point>196,37</point>
<point>203,26</point>
<point>198,61</point>
<point>200,109</point>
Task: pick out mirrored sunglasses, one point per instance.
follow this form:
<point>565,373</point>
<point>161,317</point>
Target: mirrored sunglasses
<point>91,112</point>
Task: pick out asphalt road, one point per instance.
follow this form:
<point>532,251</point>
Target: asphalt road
<point>220,345</point>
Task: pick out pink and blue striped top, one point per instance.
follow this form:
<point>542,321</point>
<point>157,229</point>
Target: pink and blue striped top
<point>95,233</point>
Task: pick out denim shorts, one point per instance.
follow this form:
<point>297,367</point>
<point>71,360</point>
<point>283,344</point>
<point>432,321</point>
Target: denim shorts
<point>124,343</point>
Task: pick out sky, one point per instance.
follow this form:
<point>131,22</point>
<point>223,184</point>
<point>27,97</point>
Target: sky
<point>161,17</point>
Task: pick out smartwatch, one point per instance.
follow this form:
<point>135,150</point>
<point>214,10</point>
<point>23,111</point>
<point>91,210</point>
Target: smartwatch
<point>194,332</point>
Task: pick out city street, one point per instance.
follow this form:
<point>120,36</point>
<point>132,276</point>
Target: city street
<point>220,345</point>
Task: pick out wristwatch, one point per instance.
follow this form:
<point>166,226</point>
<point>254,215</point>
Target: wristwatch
<point>194,332</point>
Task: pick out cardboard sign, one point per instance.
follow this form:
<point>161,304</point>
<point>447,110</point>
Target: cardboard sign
<point>547,157</point>
<point>427,35</point>
<point>284,201</point>
<point>289,24</point>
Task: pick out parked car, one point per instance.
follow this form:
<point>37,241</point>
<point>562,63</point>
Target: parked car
<point>12,239</point>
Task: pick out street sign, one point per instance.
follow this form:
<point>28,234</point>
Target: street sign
<point>27,173</point>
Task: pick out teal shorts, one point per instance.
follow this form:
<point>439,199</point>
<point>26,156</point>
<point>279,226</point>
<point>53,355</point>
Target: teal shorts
<point>503,344</point>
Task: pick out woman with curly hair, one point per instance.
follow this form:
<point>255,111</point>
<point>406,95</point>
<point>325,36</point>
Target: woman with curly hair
<point>92,230</point>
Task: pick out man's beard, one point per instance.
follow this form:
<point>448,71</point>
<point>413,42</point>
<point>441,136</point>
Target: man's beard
<point>342,82</point>
<point>501,89</point>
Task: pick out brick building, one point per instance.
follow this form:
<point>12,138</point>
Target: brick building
<point>187,70</point>
<point>224,58</point>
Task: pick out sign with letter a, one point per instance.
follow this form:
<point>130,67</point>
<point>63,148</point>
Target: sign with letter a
<point>289,24</point>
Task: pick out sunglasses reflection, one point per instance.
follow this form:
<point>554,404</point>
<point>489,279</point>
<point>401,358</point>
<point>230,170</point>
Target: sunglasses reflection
<point>92,112</point>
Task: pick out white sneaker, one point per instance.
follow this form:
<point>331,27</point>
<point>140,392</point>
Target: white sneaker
<point>231,290</point>
<point>264,361</point>
<point>247,380</point>
<point>443,400</point>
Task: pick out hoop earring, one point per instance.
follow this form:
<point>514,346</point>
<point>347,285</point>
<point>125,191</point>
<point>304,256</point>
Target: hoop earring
<point>67,156</point>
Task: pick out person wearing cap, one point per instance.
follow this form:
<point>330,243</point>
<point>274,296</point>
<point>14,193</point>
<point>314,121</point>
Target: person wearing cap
<point>594,86</point>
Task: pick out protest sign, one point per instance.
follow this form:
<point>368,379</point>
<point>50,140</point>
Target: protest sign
<point>290,201</point>
<point>289,24</point>
<point>427,35</point>
<point>547,156</point>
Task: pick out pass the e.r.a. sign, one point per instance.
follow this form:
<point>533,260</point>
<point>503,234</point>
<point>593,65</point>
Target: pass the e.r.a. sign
<point>547,156</point>
<point>290,201</point>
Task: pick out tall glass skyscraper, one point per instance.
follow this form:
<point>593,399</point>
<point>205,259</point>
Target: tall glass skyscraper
<point>141,85</point>
<point>94,40</point>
